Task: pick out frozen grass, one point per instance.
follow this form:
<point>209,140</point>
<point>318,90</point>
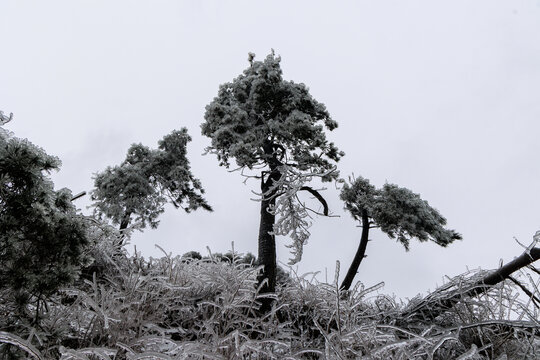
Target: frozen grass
<point>178,308</point>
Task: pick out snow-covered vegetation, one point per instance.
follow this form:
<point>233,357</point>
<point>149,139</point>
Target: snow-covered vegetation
<point>174,307</point>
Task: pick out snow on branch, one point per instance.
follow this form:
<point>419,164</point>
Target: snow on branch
<point>293,219</point>
<point>5,119</point>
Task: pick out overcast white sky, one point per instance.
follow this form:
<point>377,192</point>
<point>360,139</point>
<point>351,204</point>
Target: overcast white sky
<point>441,97</point>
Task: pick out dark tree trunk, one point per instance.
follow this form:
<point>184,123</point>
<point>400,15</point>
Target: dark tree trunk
<point>267,246</point>
<point>505,271</point>
<point>125,222</point>
<point>267,240</point>
<point>429,309</point>
<point>360,254</point>
<point>123,225</point>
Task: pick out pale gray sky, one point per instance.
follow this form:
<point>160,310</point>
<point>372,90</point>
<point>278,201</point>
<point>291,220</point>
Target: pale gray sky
<point>441,97</point>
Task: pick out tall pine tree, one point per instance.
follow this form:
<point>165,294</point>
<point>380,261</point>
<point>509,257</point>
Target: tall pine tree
<point>275,127</point>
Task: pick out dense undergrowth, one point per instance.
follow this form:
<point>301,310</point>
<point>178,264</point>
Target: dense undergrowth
<point>128,307</point>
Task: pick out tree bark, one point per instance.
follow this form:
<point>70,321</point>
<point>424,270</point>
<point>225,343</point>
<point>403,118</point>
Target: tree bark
<point>360,254</point>
<point>267,239</point>
<point>125,221</point>
<point>429,309</point>
<point>267,246</point>
<point>123,225</point>
<point>505,271</point>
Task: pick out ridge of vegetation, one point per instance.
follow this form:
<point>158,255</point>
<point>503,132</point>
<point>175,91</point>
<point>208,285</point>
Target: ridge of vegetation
<point>178,307</point>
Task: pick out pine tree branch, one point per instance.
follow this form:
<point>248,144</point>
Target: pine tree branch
<point>318,196</point>
<point>530,267</point>
<point>535,300</point>
<point>79,195</point>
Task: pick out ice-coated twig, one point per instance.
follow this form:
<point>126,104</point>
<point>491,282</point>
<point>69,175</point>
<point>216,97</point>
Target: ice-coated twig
<point>5,119</point>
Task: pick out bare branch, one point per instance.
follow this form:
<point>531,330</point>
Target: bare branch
<point>5,119</point>
<point>509,323</point>
<point>79,195</point>
<point>534,299</point>
<point>531,267</point>
<point>431,307</point>
<point>318,196</point>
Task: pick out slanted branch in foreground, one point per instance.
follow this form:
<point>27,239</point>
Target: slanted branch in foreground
<point>435,304</point>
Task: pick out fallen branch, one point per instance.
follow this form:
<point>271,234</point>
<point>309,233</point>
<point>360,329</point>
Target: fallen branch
<point>434,305</point>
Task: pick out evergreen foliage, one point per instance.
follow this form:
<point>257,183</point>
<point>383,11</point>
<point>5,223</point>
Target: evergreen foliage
<point>398,212</point>
<point>259,118</point>
<point>148,179</point>
<point>41,236</point>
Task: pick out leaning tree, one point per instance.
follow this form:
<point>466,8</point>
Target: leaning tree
<point>140,187</point>
<point>275,127</point>
<point>398,212</point>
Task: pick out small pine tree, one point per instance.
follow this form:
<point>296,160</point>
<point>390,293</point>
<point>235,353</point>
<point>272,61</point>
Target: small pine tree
<point>141,186</point>
<point>398,212</point>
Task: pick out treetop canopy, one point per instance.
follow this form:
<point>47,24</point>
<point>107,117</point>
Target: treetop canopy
<point>397,211</point>
<point>146,180</point>
<point>259,116</point>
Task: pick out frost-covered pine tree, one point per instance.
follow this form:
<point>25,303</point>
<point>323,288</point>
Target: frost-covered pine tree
<point>274,127</point>
<point>398,212</point>
<point>139,188</point>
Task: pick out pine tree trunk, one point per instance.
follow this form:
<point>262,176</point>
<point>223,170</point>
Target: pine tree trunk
<point>125,221</point>
<point>360,254</point>
<point>123,225</point>
<point>267,247</point>
<point>267,240</point>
